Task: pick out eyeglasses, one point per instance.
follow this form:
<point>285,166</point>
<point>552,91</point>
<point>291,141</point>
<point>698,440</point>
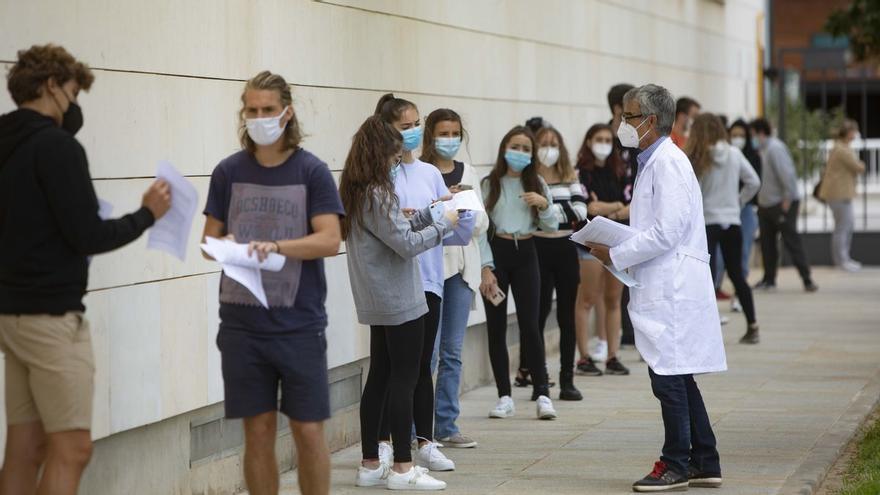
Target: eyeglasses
<point>627,116</point>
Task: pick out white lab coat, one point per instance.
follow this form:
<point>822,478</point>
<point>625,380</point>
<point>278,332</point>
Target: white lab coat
<point>674,314</point>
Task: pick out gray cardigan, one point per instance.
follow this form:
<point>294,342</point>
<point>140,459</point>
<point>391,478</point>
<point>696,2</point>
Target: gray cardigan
<point>382,265</point>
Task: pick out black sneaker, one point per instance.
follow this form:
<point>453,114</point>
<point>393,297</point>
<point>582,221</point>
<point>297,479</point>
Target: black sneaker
<point>703,479</point>
<point>765,285</point>
<point>614,367</point>
<point>661,479</point>
<point>752,336</point>
<point>811,287</point>
<point>586,367</point>
<point>522,378</point>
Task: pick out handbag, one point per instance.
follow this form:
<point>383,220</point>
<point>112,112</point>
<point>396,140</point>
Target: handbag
<point>818,188</point>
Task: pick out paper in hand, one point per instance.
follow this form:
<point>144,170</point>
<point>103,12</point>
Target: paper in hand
<point>600,230</point>
<point>171,232</point>
<point>465,200</point>
<point>242,268</point>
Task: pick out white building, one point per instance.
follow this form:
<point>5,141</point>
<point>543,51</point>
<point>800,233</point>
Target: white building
<point>169,74</point>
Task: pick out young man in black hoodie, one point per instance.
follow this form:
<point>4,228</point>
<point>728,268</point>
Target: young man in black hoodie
<point>49,225</point>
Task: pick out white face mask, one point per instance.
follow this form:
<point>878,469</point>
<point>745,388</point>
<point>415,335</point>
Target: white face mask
<point>601,150</point>
<point>548,155</point>
<point>719,151</point>
<point>629,135</point>
<point>267,130</point>
<point>739,142</point>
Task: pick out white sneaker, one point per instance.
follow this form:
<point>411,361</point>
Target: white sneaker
<point>373,477</point>
<point>735,306</point>
<point>598,349</point>
<point>724,320</point>
<point>545,408</point>
<point>386,453</point>
<point>851,266</point>
<point>429,456</point>
<point>417,478</point>
<point>503,409</point>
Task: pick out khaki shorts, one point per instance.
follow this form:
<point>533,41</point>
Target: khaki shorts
<point>50,370</point>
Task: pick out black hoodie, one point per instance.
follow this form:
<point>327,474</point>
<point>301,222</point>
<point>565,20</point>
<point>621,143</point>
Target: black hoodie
<point>49,221</point>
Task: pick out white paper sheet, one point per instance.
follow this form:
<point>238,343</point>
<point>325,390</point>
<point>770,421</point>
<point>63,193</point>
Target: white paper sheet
<point>105,209</point>
<point>465,200</point>
<point>600,230</point>
<point>171,232</point>
<point>242,268</point>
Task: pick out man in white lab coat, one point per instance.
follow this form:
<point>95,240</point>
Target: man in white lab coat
<point>674,313</point>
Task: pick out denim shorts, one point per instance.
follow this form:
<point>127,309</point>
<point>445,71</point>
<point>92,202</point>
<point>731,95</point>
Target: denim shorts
<point>254,365</point>
<point>584,253</point>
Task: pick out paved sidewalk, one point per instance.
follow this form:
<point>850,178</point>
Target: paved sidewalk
<point>781,413</point>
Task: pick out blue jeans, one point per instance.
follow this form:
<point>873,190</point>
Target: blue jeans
<point>689,438</point>
<point>456,307</point>
<point>749,218</point>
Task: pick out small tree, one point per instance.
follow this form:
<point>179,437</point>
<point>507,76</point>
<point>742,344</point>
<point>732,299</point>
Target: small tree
<point>860,22</point>
<point>805,133</point>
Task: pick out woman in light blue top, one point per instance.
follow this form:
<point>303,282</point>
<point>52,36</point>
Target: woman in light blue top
<point>516,199</point>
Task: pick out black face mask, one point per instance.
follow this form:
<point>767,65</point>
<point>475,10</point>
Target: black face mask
<point>72,119</point>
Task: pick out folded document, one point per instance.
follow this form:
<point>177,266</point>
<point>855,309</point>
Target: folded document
<point>600,230</point>
<point>242,268</point>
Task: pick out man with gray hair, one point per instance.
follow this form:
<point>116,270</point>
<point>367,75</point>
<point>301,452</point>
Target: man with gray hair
<point>672,307</point>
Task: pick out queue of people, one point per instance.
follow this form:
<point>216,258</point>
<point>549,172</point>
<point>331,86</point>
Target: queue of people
<point>415,266</point>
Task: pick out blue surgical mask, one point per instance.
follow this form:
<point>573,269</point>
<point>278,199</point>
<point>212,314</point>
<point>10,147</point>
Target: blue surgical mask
<point>395,169</point>
<point>756,143</point>
<point>412,138</point>
<point>447,147</point>
<point>517,160</point>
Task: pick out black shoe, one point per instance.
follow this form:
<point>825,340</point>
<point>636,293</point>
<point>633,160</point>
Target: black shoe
<point>614,367</point>
<point>587,367</point>
<point>765,285</point>
<point>522,378</point>
<point>751,336</point>
<point>567,390</point>
<point>661,479</point>
<point>703,479</point>
<point>810,286</point>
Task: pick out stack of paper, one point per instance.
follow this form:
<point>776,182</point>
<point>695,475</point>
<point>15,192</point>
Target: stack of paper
<point>242,268</point>
<point>610,233</point>
<point>171,232</point>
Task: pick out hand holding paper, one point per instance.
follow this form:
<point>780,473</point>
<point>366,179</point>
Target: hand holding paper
<point>607,233</point>
<point>241,267</point>
<point>171,232</point>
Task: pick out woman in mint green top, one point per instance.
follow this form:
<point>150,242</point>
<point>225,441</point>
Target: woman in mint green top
<point>516,199</point>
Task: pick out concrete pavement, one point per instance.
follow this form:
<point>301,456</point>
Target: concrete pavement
<point>781,413</point>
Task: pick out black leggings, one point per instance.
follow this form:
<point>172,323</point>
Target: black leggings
<point>560,270</point>
<point>516,267</point>
<point>731,251</point>
<point>423,397</point>
<point>394,370</point>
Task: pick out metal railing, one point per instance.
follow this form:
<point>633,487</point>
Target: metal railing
<point>816,216</point>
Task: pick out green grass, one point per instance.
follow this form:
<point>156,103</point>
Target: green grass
<point>863,475</point>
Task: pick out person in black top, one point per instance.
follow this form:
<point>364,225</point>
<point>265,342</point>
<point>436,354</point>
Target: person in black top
<point>608,185</point>
<point>49,225</point>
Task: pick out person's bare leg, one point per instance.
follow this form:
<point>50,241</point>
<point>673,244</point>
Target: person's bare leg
<point>67,455</point>
<point>611,296</point>
<point>260,466</point>
<point>25,453</point>
<point>589,297</point>
<point>312,457</point>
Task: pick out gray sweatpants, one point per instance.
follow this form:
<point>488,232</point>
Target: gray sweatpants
<point>841,238</point>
